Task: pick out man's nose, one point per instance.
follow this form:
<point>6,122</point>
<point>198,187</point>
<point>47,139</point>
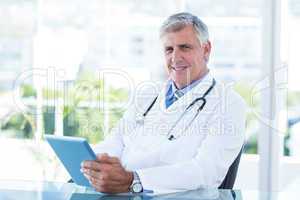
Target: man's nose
<point>176,56</point>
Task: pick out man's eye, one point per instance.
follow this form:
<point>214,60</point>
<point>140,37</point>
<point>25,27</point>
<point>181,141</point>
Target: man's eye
<point>169,50</point>
<point>185,47</point>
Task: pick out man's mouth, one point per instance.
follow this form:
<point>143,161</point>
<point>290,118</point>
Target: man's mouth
<point>179,68</point>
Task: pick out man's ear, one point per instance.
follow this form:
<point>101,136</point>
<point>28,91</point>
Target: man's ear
<point>207,50</point>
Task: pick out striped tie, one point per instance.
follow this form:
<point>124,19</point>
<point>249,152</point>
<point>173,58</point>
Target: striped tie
<point>177,94</point>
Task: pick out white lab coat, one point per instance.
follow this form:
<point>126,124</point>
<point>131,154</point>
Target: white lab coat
<point>199,157</point>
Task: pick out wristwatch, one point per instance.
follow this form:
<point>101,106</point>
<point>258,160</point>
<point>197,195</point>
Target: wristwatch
<point>136,185</point>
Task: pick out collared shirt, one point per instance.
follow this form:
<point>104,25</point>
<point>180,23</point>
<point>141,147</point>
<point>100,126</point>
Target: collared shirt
<point>173,93</point>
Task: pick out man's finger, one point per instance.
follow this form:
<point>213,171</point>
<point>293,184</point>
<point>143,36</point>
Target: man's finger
<point>108,183</point>
<point>102,176</point>
<point>105,158</point>
<point>87,177</point>
<point>90,164</point>
<point>92,174</point>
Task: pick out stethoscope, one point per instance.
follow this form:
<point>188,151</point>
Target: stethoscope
<point>140,120</point>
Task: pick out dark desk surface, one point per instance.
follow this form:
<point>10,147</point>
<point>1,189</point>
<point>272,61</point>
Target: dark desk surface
<point>30,190</point>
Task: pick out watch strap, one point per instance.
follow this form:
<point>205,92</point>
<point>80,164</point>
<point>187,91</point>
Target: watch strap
<point>136,180</point>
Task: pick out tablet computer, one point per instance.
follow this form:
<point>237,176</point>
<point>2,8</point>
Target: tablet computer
<point>71,151</point>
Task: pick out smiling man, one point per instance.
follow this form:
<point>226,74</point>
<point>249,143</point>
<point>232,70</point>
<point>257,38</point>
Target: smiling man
<point>186,53</point>
<point>190,132</point>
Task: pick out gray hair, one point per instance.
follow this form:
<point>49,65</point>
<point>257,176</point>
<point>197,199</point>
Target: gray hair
<point>179,21</point>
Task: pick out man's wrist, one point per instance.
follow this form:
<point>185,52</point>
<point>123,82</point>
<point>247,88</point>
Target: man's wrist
<point>130,179</point>
<point>136,185</point>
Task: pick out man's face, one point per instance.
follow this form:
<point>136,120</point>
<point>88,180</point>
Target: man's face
<point>185,57</point>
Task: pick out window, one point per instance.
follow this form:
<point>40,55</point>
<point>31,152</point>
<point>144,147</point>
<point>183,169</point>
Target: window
<point>52,50</point>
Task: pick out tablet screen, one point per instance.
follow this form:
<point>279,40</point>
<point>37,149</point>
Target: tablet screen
<point>72,151</point>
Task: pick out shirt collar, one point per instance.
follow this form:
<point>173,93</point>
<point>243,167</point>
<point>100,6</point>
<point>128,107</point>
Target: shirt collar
<point>180,92</point>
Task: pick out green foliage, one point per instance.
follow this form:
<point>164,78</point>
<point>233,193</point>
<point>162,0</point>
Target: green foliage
<point>78,120</point>
<point>115,115</point>
<point>18,125</point>
<point>70,123</point>
<point>88,122</point>
<point>51,94</point>
<point>117,95</point>
<point>251,145</point>
<point>48,119</point>
<point>293,99</point>
<point>246,91</point>
<point>27,91</point>
<point>91,123</point>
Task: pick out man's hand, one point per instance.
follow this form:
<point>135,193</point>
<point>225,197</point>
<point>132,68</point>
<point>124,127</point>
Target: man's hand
<point>106,174</point>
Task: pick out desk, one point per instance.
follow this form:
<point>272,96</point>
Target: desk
<point>29,190</point>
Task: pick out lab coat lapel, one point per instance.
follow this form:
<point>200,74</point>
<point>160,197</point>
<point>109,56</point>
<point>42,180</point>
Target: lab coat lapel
<point>159,114</point>
<point>181,104</point>
<point>191,95</point>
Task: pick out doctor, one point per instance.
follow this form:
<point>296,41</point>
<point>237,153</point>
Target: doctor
<point>183,138</point>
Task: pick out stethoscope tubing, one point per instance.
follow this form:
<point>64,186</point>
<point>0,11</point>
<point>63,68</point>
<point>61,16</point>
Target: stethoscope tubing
<point>202,98</point>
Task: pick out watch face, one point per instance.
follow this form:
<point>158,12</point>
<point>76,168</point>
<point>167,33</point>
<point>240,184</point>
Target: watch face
<point>137,187</point>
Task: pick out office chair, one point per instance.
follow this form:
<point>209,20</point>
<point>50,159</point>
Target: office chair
<point>230,177</point>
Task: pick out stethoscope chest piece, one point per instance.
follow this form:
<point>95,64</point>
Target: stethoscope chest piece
<point>140,119</point>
